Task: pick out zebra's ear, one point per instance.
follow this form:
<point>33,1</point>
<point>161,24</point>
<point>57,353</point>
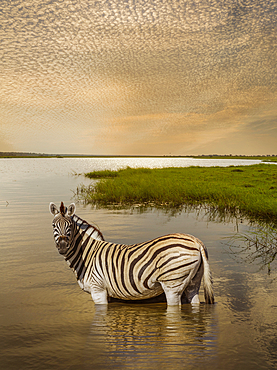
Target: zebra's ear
<point>53,209</point>
<point>71,209</point>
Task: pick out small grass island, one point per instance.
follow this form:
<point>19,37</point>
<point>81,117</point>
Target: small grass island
<point>249,191</point>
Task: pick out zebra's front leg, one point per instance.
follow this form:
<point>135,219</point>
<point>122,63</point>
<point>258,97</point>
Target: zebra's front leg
<point>99,295</point>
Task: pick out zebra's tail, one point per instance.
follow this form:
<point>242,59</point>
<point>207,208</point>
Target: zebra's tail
<point>207,276</point>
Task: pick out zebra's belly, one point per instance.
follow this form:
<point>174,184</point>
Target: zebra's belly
<point>154,291</point>
<point>144,293</point>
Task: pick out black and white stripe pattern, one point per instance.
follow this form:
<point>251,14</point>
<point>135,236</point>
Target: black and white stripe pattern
<point>173,264</point>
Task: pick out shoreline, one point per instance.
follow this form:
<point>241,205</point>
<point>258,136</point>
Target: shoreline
<point>5,155</point>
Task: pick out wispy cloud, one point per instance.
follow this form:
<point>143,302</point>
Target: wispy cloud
<point>138,77</point>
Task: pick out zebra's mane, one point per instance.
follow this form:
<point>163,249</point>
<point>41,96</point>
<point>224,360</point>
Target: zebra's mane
<point>90,230</point>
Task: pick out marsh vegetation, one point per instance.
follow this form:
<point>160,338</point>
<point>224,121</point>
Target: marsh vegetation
<point>258,245</point>
<point>244,191</point>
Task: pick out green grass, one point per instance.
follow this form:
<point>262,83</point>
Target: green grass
<point>102,174</point>
<point>247,190</point>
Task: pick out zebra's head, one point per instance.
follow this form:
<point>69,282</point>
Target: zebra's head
<point>62,225</point>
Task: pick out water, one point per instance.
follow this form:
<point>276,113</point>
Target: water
<point>46,321</point>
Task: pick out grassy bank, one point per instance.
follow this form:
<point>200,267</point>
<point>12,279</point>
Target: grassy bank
<point>246,190</point>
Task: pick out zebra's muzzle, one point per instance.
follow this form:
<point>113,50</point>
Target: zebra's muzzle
<point>62,244</point>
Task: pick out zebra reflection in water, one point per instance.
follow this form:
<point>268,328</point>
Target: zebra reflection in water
<point>173,264</point>
<point>151,336</point>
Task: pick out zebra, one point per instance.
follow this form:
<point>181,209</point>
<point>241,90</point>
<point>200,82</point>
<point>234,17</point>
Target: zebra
<point>172,264</point>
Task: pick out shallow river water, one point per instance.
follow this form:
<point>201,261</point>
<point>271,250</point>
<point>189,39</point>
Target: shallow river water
<point>47,322</point>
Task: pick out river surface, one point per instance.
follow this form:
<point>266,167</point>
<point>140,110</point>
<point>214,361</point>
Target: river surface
<point>47,322</point>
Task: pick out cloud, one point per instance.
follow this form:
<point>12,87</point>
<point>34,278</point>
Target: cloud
<point>130,77</point>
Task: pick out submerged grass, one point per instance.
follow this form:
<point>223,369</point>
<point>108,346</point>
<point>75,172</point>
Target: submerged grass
<point>245,190</point>
<point>257,244</point>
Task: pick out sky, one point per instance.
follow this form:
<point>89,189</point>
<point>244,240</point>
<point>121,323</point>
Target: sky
<point>138,77</point>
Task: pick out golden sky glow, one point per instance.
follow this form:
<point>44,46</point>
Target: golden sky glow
<point>138,77</point>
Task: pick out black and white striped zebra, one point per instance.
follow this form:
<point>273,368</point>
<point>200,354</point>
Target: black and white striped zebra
<point>173,264</point>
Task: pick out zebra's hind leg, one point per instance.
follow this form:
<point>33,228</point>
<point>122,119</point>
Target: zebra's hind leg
<point>173,298</point>
<point>191,293</point>
<point>173,293</point>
